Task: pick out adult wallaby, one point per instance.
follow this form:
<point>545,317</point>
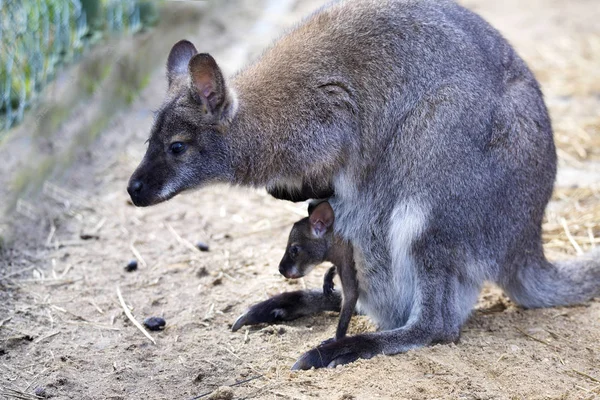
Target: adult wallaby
<point>432,133</point>
<point>312,241</point>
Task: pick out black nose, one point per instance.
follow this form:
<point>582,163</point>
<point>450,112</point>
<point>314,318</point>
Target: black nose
<point>135,187</point>
<point>283,271</point>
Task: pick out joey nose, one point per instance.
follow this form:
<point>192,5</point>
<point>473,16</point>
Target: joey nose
<point>285,272</point>
<point>135,187</point>
<point>282,271</point>
<point>290,272</point>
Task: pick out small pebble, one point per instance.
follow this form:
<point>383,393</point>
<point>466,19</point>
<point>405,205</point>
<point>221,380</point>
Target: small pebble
<point>132,266</point>
<point>202,246</point>
<point>40,392</point>
<point>155,323</point>
<point>199,378</point>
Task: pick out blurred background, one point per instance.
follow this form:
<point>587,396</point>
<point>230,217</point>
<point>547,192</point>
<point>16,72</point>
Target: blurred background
<point>40,37</point>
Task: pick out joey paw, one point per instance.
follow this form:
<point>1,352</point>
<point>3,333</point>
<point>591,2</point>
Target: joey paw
<point>328,288</point>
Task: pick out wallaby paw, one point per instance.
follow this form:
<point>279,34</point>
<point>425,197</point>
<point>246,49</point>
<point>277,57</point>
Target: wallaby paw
<point>337,352</point>
<point>283,307</point>
<point>328,288</point>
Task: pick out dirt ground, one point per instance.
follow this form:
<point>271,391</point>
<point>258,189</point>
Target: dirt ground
<point>64,332</point>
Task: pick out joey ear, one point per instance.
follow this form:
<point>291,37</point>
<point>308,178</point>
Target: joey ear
<point>179,59</point>
<point>208,84</point>
<point>321,219</point>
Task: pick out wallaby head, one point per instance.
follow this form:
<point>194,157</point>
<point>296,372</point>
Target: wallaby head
<point>308,243</point>
<point>187,147</point>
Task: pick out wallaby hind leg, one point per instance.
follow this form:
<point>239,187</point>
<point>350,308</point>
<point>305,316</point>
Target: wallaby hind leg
<point>288,306</point>
<point>441,302</point>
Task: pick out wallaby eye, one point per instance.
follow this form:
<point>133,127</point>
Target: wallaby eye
<point>177,147</point>
<point>294,250</point>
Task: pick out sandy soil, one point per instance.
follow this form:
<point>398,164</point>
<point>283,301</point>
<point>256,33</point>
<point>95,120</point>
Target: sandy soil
<point>62,329</point>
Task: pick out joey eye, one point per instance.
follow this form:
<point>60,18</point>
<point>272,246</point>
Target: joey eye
<point>294,250</point>
<point>177,147</point>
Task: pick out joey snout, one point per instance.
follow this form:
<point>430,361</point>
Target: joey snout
<point>290,270</point>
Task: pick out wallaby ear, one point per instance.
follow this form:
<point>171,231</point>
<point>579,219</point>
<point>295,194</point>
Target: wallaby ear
<point>321,219</point>
<point>208,85</point>
<point>312,204</point>
<point>179,59</point>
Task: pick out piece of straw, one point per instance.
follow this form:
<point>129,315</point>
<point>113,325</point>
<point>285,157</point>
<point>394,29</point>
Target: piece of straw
<point>137,254</point>
<point>181,240</point>
<point>131,317</point>
<point>570,237</point>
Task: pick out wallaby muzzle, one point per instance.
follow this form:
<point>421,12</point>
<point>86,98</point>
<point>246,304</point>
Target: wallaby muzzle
<point>146,186</point>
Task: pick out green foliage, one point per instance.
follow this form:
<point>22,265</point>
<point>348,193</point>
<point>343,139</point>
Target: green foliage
<point>38,36</point>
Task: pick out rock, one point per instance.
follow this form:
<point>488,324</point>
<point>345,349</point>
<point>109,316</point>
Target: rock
<point>132,266</point>
<point>202,246</point>
<point>41,392</point>
<point>155,323</point>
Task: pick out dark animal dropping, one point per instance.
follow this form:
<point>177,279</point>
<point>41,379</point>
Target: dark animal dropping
<point>202,246</point>
<point>40,392</point>
<point>132,266</point>
<point>155,323</point>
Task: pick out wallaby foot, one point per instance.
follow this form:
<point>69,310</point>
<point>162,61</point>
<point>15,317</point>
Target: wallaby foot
<point>333,352</point>
<point>289,306</point>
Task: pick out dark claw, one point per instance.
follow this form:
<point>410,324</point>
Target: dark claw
<point>241,321</point>
<point>313,358</point>
<point>258,314</point>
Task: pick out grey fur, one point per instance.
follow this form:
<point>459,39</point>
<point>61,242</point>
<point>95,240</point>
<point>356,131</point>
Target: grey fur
<point>411,111</point>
